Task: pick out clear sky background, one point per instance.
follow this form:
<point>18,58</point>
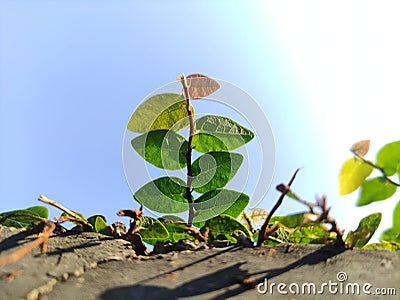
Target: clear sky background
<point>72,72</point>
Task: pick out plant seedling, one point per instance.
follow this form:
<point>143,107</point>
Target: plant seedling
<point>159,120</point>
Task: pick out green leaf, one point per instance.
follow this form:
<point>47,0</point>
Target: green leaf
<point>224,227</point>
<point>215,134</point>
<point>366,228</point>
<point>352,175</point>
<point>98,222</point>
<point>290,221</point>
<point>375,189</point>
<point>162,148</point>
<point>214,170</point>
<point>279,236</point>
<point>25,222</point>
<point>388,158</point>
<point>315,234</point>
<point>161,111</point>
<point>152,230</point>
<point>199,224</point>
<point>396,217</point>
<point>39,211</point>
<point>92,220</point>
<point>172,218</point>
<point>165,195</point>
<point>176,231</point>
<point>392,246</point>
<point>222,201</point>
<point>204,143</point>
<point>390,235</point>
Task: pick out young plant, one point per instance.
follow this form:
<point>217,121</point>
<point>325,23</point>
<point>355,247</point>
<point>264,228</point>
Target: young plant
<point>355,175</point>
<point>202,194</point>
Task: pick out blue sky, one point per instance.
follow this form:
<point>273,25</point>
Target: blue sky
<point>72,72</point>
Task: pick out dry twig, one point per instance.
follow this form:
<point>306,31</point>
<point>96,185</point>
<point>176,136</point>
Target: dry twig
<point>66,210</point>
<point>326,218</point>
<point>133,235</point>
<point>265,231</point>
<point>40,241</point>
<point>81,222</point>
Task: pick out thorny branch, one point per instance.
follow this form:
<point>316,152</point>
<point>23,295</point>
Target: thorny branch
<point>322,217</point>
<point>265,231</point>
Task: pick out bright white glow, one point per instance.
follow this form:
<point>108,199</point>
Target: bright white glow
<point>346,55</point>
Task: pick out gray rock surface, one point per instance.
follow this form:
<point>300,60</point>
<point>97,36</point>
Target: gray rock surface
<point>93,266</point>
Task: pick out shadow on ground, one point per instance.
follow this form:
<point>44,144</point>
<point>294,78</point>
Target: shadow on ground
<point>219,280</point>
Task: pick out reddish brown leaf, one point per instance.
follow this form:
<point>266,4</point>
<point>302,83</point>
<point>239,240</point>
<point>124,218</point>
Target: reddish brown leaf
<point>201,86</point>
<point>360,148</point>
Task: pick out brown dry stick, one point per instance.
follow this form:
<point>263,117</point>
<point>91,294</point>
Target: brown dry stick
<point>40,241</point>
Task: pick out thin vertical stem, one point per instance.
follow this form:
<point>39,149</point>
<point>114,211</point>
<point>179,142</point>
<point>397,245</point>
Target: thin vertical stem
<point>188,194</point>
<point>284,189</point>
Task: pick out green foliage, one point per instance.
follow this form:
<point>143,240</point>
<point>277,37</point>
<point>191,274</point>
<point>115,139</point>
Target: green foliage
<point>366,228</point>
<point>25,221</point>
<point>375,189</point>
<point>99,224</point>
<point>224,227</point>
<point>176,231</point>
<point>393,246</point>
<point>314,234</point>
<point>215,133</point>
<point>152,230</point>
<point>396,217</point>
<point>390,235</point>
<point>165,195</point>
<point>388,158</point>
<point>159,120</point>
<point>162,148</point>
<point>214,170</point>
<point>162,111</point>
<point>290,221</point>
<point>221,201</point>
<point>393,234</point>
<point>295,229</point>
<point>354,174</point>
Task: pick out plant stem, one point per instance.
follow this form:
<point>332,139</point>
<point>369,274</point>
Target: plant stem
<point>284,189</point>
<point>376,167</point>
<point>189,180</point>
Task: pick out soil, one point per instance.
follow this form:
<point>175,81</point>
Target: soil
<point>94,266</point>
